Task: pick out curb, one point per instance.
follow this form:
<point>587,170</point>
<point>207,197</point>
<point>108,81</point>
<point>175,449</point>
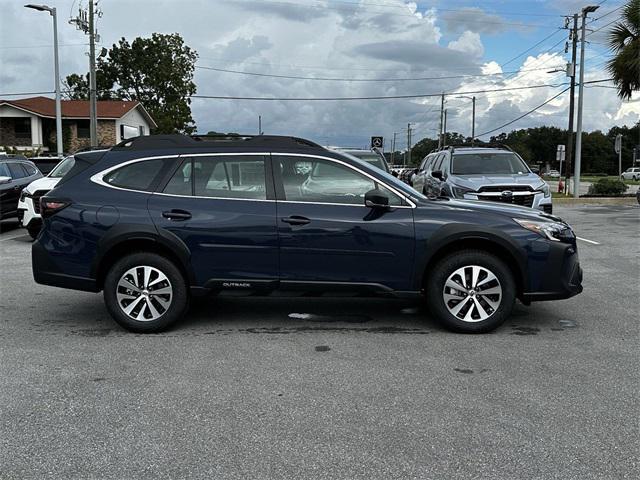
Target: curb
<point>596,201</point>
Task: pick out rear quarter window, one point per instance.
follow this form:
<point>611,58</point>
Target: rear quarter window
<point>142,176</point>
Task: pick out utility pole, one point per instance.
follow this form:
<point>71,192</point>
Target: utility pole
<point>93,104</point>
<point>573,36</point>
<point>473,121</point>
<point>393,147</point>
<point>259,124</point>
<point>444,136</point>
<point>87,24</point>
<point>408,158</point>
<point>576,178</point>
<point>441,120</point>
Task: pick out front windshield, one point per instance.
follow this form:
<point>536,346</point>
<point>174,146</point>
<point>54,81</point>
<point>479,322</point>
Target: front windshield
<point>62,168</point>
<point>490,163</point>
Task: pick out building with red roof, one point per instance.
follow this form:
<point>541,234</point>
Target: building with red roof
<point>29,123</point>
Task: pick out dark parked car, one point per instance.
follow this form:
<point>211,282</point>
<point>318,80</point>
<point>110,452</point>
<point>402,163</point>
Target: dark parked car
<point>16,172</point>
<point>156,220</point>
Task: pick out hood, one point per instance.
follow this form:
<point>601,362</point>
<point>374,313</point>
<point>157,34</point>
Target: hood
<point>44,183</point>
<point>506,209</point>
<point>476,181</point>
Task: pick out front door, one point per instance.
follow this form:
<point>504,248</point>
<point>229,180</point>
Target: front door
<point>222,207</point>
<point>328,235</point>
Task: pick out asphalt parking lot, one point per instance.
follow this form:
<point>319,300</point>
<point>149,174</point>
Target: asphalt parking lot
<point>326,388</point>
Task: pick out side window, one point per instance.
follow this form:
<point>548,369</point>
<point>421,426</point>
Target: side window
<point>445,163</point>
<point>17,171</point>
<point>230,177</point>
<point>307,179</point>
<point>424,163</point>
<point>181,182</point>
<point>30,169</point>
<point>136,176</point>
<point>437,163</point>
<point>4,170</point>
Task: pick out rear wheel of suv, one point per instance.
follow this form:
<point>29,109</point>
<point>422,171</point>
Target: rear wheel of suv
<point>145,292</point>
<point>471,291</point>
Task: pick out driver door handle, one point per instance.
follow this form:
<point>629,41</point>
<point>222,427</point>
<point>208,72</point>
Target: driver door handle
<point>296,220</point>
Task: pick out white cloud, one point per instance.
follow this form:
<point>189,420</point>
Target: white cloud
<point>469,42</point>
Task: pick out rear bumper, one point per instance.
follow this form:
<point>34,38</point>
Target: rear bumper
<point>45,272</point>
<point>561,276</point>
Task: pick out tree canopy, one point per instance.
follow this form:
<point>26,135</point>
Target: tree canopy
<point>156,71</point>
<point>624,40</point>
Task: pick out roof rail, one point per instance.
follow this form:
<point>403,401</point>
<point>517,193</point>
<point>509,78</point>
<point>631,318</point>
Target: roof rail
<point>151,142</point>
<point>475,145</point>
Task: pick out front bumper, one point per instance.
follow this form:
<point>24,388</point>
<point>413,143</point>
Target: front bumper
<point>558,277</point>
<point>27,212</point>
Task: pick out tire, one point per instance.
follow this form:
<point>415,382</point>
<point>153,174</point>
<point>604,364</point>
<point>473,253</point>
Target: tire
<point>474,313</point>
<point>129,281</point>
<point>34,230</point>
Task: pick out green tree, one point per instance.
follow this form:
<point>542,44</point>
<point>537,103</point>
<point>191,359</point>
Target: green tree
<point>624,40</point>
<point>156,71</point>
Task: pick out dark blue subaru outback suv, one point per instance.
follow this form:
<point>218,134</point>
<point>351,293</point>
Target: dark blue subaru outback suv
<point>158,219</point>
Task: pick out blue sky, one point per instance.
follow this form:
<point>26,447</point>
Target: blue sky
<point>354,39</point>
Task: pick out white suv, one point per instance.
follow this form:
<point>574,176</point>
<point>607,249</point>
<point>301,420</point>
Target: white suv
<point>632,173</point>
<point>29,203</point>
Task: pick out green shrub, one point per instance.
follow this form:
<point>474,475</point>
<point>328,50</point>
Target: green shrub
<point>608,186</point>
<point>597,174</point>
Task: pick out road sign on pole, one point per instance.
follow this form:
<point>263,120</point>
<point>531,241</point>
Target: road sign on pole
<point>377,142</point>
<point>560,150</point>
<point>618,148</point>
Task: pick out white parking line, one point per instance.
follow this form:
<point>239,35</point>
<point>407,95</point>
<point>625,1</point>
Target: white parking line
<point>588,241</point>
<point>22,234</point>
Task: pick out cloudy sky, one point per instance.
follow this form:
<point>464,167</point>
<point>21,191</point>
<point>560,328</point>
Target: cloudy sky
<point>456,46</point>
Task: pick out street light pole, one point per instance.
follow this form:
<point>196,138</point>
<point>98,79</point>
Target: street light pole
<point>53,13</point>
<point>578,152</point>
<point>473,116</point>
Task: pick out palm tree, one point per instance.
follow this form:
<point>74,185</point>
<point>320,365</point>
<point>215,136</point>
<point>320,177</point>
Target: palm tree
<point>624,40</point>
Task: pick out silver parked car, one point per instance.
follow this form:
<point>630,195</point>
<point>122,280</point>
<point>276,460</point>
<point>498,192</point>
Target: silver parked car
<point>482,173</point>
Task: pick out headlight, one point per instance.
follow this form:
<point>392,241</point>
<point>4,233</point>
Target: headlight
<point>459,191</point>
<point>552,230</point>
<point>545,189</point>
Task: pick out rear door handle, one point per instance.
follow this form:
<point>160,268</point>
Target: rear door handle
<point>296,220</point>
<point>176,215</point>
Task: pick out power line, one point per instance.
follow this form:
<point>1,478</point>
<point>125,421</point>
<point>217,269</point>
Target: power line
<point>591,82</point>
<point>524,114</point>
<point>337,79</point>
<point>380,97</point>
<point>530,48</point>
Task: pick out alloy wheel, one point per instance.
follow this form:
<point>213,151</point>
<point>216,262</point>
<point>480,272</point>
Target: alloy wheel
<point>144,293</point>
<point>472,293</point>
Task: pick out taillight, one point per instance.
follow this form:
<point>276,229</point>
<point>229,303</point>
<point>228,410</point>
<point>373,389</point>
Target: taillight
<point>49,206</point>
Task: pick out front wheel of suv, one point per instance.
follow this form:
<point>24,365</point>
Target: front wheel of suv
<point>145,292</point>
<point>471,291</point>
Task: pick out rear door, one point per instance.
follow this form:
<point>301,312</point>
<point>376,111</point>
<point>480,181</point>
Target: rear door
<point>222,206</point>
<point>11,192</point>
<point>328,235</point>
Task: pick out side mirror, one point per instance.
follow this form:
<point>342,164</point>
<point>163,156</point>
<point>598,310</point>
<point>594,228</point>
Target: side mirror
<point>416,171</point>
<point>437,174</point>
<point>376,199</point>
<point>4,180</point>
